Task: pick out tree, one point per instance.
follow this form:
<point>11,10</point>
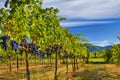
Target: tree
<point>116,54</point>
<point>108,55</point>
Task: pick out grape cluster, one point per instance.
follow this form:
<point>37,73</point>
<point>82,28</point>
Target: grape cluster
<point>33,48</point>
<point>41,54</point>
<point>14,45</point>
<point>68,55</point>
<point>53,48</point>
<point>57,47</point>
<point>5,41</point>
<point>22,44</point>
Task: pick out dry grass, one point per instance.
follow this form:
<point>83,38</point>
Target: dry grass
<point>40,72</point>
<point>98,72</point>
<point>92,71</point>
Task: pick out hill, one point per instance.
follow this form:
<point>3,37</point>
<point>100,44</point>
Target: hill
<point>98,48</point>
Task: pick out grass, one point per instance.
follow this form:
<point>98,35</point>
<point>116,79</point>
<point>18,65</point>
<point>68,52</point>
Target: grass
<point>97,69</point>
<point>99,72</point>
<point>40,72</point>
<point>97,61</point>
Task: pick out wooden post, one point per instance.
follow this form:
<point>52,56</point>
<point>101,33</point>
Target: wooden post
<point>56,65</point>
<point>10,67</point>
<point>74,65</point>
<point>27,66</point>
<point>17,64</point>
<point>66,64</point>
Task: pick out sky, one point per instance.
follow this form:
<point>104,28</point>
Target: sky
<point>98,20</point>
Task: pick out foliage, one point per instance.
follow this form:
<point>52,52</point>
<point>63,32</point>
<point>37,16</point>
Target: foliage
<point>108,55</point>
<point>116,54</point>
<point>23,19</point>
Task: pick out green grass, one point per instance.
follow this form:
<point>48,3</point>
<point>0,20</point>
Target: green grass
<point>98,70</point>
<point>97,61</point>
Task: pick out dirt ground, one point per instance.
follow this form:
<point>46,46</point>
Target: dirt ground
<point>97,72</point>
<point>91,71</point>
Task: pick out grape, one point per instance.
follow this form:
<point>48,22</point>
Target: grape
<point>14,45</point>
<point>33,48</point>
<point>41,54</point>
<point>68,55</point>
<point>60,47</point>
<point>21,52</point>
<point>22,44</point>
<point>5,38</point>
<point>38,47</point>
<point>4,43</point>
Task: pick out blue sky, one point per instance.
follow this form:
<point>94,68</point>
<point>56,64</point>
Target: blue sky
<point>99,20</point>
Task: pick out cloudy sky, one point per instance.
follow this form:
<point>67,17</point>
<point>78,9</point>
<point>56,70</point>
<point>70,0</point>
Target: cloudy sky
<point>99,20</point>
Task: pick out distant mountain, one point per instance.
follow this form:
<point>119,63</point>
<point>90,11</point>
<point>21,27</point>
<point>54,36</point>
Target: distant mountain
<point>107,47</point>
<point>98,48</point>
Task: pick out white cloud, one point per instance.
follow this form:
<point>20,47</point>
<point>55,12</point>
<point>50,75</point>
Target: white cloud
<point>91,9</point>
<point>82,23</point>
<point>86,8</point>
<point>104,43</point>
<point>101,43</point>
